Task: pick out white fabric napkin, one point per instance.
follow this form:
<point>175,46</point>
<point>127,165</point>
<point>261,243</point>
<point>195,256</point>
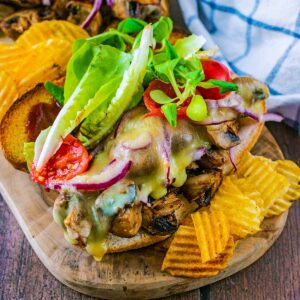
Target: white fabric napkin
<point>260,38</point>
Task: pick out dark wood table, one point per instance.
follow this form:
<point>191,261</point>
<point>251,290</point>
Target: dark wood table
<point>275,276</point>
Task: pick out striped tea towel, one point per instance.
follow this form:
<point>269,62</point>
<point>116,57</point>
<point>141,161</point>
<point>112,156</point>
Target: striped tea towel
<point>260,38</point>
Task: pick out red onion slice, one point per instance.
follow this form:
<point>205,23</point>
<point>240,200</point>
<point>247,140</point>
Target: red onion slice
<point>199,153</point>
<point>141,142</point>
<point>272,117</point>
<point>230,101</point>
<point>166,147</point>
<point>231,158</point>
<point>46,2</point>
<point>216,121</point>
<point>249,113</point>
<point>110,2</point>
<point>95,9</point>
<point>111,174</point>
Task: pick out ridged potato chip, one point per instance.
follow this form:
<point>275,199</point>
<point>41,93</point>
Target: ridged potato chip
<point>291,172</point>
<point>46,30</point>
<point>11,56</point>
<point>249,191</point>
<point>46,61</point>
<point>184,258</point>
<point>260,172</point>
<point>8,92</point>
<point>243,213</point>
<point>212,232</point>
<point>279,206</point>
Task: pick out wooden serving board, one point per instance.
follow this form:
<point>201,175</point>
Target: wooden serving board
<point>130,275</point>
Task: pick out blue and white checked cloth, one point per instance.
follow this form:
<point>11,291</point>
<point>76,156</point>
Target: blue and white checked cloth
<point>260,38</point>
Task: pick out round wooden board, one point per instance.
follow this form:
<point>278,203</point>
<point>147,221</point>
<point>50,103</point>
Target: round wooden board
<point>130,275</point>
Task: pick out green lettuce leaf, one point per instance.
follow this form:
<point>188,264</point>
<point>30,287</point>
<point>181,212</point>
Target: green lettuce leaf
<point>56,91</point>
<point>162,29</point>
<point>129,86</point>
<point>160,97</point>
<point>189,45</point>
<point>197,110</point>
<point>101,65</point>
<point>131,25</point>
<point>224,86</point>
<point>112,38</point>
<point>28,151</point>
<point>170,112</point>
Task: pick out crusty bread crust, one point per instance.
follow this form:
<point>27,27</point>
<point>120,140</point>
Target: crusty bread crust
<point>141,240</point>
<point>249,131</point>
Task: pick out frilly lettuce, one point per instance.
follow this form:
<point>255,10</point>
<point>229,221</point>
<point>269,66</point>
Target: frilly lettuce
<point>98,77</point>
<point>90,69</point>
<point>129,86</point>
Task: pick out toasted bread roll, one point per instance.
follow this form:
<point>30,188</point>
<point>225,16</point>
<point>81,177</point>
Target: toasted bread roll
<point>33,112</point>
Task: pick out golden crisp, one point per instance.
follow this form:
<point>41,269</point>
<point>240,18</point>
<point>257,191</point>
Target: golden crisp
<point>11,56</point>
<point>46,30</point>
<point>46,61</point>
<point>260,172</point>
<point>279,206</point>
<point>243,213</point>
<point>8,92</point>
<point>184,258</point>
<point>249,191</point>
<point>291,172</point>
<point>212,232</point>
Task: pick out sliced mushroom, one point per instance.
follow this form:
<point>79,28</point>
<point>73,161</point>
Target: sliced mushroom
<point>160,217</point>
<point>60,8</point>
<point>78,227</point>
<point>78,12</point>
<point>202,186</point>
<point>15,24</point>
<point>5,10</point>
<point>224,135</point>
<point>23,3</point>
<point>142,9</point>
<point>128,221</point>
<point>251,89</point>
<point>213,158</point>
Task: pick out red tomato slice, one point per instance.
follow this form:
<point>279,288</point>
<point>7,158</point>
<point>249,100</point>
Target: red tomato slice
<point>154,107</point>
<point>157,85</point>
<point>70,160</point>
<point>213,70</point>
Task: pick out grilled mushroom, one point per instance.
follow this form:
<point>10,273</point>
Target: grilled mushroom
<point>224,135</point>
<point>60,8</point>
<point>213,158</point>
<point>78,227</point>
<point>23,3</point>
<point>251,89</point>
<point>78,12</point>
<point>128,221</point>
<point>15,24</point>
<point>5,10</point>
<point>160,217</point>
<point>202,186</point>
<point>142,9</point>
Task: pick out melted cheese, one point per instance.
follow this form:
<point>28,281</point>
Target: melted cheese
<point>170,147</point>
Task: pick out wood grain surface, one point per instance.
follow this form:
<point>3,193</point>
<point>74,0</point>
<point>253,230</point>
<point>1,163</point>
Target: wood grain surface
<point>275,276</point>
